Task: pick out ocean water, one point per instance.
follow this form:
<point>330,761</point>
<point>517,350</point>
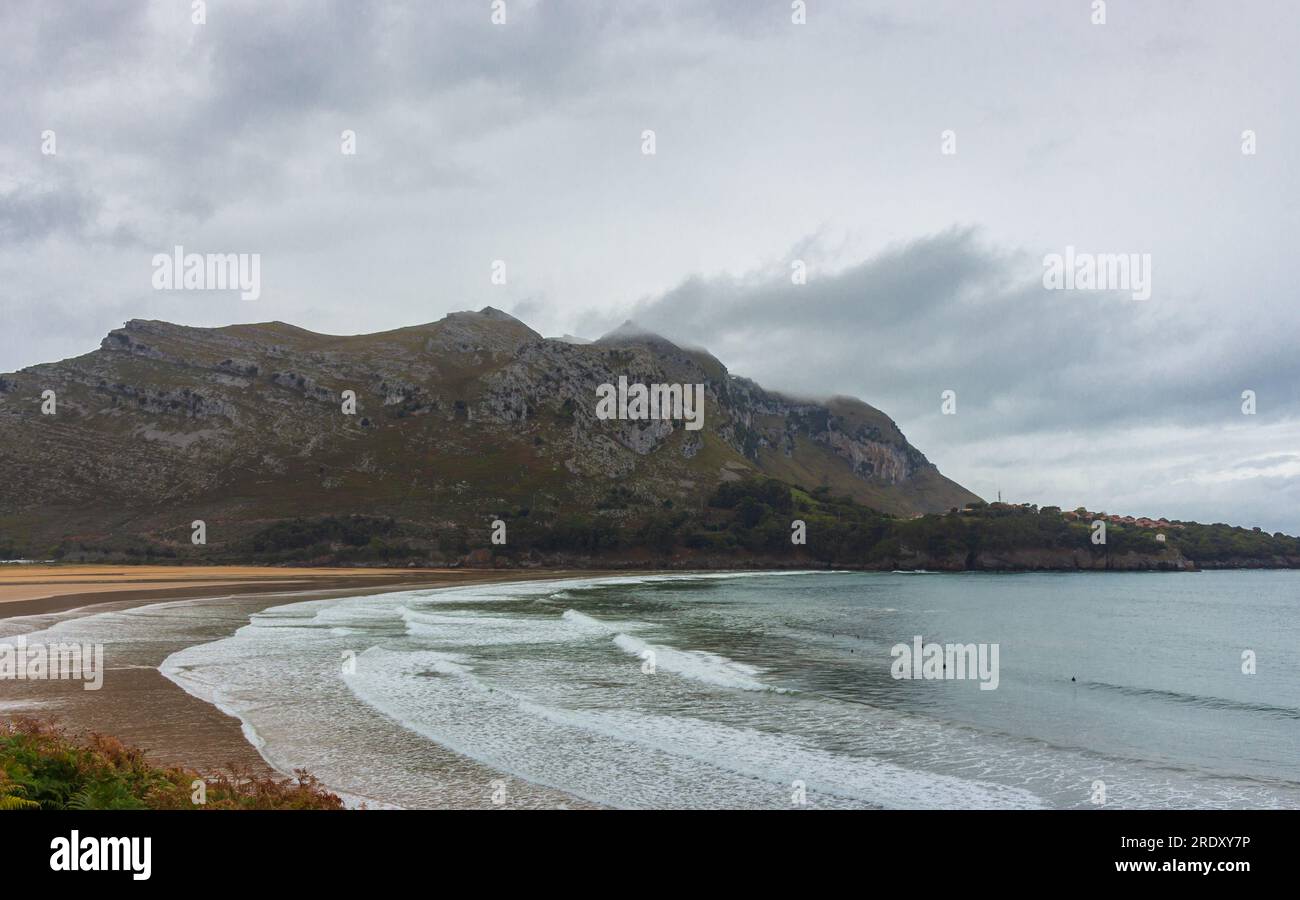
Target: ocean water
<point>770,690</point>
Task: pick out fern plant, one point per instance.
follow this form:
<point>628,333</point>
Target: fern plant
<point>11,795</point>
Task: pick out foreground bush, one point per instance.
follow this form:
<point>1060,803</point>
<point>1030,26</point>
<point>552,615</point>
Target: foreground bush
<point>42,767</point>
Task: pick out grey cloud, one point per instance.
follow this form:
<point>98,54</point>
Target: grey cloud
<point>948,312</point>
<point>818,142</point>
<point>62,40</point>
<point>28,214</point>
<point>236,104</point>
<point>59,208</point>
<point>1264,462</point>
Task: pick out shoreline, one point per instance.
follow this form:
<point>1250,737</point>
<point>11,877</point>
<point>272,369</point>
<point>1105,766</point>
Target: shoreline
<point>177,724</point>
<point>33,589</point>
<point>1063,561</point>
<point>141,706</point>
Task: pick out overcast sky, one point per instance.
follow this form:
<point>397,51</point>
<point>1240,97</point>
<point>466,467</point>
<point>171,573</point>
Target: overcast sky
<point>774,142</point>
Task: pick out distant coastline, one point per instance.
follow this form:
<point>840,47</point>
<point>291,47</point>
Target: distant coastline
<point>750,524</point>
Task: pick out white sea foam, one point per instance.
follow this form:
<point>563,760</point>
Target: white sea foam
<point>783,759</point>
<point>637,760</point>
<point>484,629</point>
<point>698,665</point>
<point>581,620</point>
<point>590,626</point>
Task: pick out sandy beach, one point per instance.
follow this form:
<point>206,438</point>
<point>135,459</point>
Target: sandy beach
<point>142,707</point>
<point>27,589</point>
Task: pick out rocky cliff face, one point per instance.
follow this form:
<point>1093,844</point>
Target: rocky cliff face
<point>455,422</point>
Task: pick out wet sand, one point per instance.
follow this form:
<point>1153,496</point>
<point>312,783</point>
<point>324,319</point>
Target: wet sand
<point>140,706</point>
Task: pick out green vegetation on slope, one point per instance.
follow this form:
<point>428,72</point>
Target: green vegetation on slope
<point>745,522</point>
<point>43,768</point>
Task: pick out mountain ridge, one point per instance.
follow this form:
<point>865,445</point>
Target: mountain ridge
<point>456,420</point>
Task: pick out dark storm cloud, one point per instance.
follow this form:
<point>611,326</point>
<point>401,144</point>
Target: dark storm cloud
<point>947,312</point>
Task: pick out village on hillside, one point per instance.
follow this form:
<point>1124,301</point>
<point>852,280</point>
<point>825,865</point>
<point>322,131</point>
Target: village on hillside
<point>1076,515</point>
<point>1082,514</point>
